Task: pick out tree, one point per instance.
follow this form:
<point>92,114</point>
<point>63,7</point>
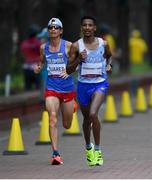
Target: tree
<point>6,29</point>
<point>150,30</point>
<point>71,19</point>
<point>123,21</point>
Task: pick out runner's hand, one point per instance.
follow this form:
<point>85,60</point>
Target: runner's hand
<point>109,68</point>
<point>37,69</point>
<point>83,55</point>
<point>64,74</point>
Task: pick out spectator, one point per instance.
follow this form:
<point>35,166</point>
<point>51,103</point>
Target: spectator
<point>105,33</point>
<point>137,48</point>
<point>44,37</point>
<point>30,49</point>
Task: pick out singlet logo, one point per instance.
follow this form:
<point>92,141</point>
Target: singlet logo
<point>60,54</point>
<point>47,56</point>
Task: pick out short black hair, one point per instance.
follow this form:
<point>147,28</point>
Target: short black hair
<point>88,17</point>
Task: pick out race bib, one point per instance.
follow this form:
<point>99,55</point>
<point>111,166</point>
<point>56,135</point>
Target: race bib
<point>91,69</point>
<point>55,69</point>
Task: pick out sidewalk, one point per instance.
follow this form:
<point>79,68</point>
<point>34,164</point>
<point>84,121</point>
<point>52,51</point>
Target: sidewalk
<point>127,146</point>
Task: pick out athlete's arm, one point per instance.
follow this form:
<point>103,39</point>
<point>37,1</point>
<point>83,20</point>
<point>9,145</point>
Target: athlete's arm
<point>108,56</point>
<point>41,62</point>
<point>68,46</point>
<point>73,58</point>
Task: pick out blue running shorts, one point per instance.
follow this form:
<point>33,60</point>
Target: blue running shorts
<point>86,90</point>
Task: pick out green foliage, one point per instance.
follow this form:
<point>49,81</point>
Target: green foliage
<point>17,84</point>
<point>140,68</point>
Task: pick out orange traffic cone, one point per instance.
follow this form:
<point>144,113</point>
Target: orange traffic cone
<point>110,114</point>
<point>74,129</point>
<point>15,145</point>
<point>44,137</point>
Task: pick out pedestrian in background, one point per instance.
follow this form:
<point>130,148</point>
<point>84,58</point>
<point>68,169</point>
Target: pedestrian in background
<point>137,48</point>
<point>106,34</point>
<point>59,93</point>
<point>30,49</point>
<point>44,37</point>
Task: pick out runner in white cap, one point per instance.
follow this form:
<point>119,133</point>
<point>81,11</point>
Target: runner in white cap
<point>59,94</point>
<point>55,22</point>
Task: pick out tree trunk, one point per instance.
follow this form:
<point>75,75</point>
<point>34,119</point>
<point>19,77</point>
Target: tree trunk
<point>70,19</point>
<point>123,12</point>
<point>150,31</point>
<point>6,29</point>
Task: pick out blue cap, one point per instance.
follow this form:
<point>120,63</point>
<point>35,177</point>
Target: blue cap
<point>43,34</point>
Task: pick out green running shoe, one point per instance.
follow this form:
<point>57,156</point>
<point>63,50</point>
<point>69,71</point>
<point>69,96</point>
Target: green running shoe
<point>98,157</point>
<point>90,156</point>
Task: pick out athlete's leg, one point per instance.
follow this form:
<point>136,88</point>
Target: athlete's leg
<point>84,100</point>
<point>97,100</point>
<point>67,109</point>
<point>52,106</point>
<point>86,122</point>
<point>87,133</point>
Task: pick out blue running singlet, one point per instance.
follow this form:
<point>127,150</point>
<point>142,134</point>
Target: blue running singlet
<point>56,62</point>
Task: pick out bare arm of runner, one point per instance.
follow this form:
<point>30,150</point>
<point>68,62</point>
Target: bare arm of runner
<point>64,75</point>
<point>73,59</point>
<point>108,57</point>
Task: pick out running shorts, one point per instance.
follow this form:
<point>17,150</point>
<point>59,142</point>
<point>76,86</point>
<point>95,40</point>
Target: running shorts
<point>63,97</point>
<point>86,90</point>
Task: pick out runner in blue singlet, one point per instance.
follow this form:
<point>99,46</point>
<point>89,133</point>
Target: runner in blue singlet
<point>59,92</point>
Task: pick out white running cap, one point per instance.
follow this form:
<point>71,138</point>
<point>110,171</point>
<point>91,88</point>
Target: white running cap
<point>56,22</point>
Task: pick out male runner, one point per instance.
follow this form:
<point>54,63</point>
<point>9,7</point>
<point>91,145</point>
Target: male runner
<point>93,58</point>
<point>59,92</point>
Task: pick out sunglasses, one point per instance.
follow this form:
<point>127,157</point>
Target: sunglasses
<point>55,27</point>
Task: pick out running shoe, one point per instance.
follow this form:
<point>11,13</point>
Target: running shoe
<point>98,157</point>
<point>56,160</point>
<point>90,156</point>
